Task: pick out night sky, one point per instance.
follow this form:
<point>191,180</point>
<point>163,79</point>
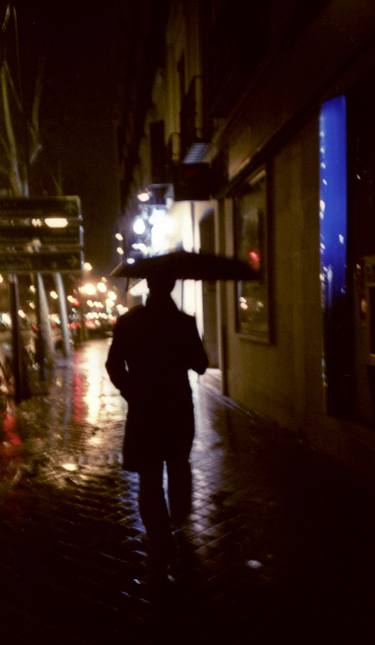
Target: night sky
<point>83,49</point>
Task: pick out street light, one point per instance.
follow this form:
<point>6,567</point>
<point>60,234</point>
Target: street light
<point>139,226</point>
<point>139,246</point>
<point>88,289</point>
<point>101,287</point>
<point>144,195</point>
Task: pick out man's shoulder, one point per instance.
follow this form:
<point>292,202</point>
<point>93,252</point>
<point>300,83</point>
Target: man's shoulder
<point>186,319</point>
<point>186,316</point>
<point>134,314</point>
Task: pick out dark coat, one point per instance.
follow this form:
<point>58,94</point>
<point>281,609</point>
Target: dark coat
<point>152,350</point>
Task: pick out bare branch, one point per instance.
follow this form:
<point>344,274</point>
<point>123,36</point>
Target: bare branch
<point>14,173</point>
<point>34,131</point>
<point>12,86</point>
<point>5,145</point>
<point>6,19</point>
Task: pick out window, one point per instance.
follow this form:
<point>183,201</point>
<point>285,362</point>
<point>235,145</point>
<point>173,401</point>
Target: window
<point>251,240</point>
<point>333,254</point>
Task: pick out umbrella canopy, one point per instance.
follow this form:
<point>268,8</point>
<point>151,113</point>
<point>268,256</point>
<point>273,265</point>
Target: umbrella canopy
<point>186,265</point>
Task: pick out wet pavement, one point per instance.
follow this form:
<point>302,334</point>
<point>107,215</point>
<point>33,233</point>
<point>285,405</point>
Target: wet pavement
<point>279,546</point>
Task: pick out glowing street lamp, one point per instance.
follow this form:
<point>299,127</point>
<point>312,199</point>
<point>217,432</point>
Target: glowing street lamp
<point>144,196</point>
<point>139,246</point>
<point>139,226</point>
<point>88,289</point>
<point>101,287</point>
<point>121,309</point>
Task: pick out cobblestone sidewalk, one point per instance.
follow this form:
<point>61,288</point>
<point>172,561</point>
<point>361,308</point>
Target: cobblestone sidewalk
<point>279,544</point>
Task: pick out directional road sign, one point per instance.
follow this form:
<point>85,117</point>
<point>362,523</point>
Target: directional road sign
<point>41,234</point>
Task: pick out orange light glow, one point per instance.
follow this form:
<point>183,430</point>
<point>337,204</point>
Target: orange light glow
<point>254,259</point>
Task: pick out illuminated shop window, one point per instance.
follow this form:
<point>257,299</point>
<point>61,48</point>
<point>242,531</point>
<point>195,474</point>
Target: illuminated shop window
<point>333,200</point>
<point>250,210</point>
<point>333,247</point>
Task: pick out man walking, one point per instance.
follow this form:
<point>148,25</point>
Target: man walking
<point>152,350</point>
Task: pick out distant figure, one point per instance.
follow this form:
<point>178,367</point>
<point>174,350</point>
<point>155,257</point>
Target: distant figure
<point>152,350</point>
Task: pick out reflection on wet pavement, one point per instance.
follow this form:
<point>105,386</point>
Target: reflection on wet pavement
<point>262,531</point>
<point>75,428</point>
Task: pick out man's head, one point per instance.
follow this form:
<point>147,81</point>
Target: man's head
<point>160,285</point>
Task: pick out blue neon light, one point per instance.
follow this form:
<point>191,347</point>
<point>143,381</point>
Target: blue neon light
<point>333,201</point>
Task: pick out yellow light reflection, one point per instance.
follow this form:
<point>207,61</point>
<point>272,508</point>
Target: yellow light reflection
<point>70,467</point>
<point>94,387</point>
<point>95,440</point>
<point>93,404</point>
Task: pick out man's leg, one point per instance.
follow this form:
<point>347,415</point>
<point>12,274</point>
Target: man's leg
<point>155,516</point>
<point>179,488</point>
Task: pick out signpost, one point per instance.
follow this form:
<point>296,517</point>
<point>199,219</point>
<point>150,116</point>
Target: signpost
<point>38,235</point>
<point>44,234</point>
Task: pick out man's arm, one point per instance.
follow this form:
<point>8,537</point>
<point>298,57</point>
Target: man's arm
<point>115,363</point>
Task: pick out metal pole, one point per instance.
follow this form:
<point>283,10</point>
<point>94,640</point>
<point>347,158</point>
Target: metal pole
<point>63,314</point>
<point>82,312</point>
<point>44,336</point>
<point>16,337</point>
<point>40,345</point>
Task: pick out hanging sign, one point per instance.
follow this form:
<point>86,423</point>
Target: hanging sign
<point>41,234</point>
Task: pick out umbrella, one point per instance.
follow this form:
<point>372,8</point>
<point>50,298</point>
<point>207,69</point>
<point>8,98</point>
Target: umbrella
<point>188,265</point>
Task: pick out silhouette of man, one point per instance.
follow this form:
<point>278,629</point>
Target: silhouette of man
<point>153,348</point>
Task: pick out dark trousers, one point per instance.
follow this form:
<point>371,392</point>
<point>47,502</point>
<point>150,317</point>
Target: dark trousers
<point>157,513</point>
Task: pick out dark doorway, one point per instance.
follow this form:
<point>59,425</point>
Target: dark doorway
<point>207,237</point>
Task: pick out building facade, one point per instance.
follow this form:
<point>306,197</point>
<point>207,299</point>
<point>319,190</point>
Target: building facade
<point>259,143</point>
